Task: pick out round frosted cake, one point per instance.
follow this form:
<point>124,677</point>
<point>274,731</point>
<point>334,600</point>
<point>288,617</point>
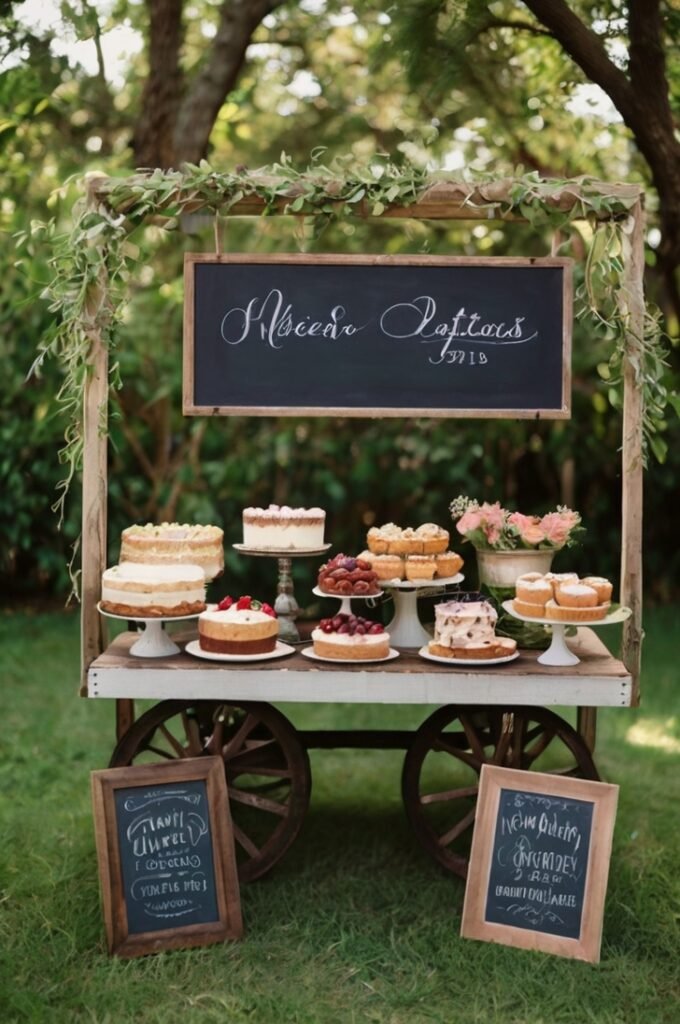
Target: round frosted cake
<point>153,591</point>
<point>175,544</point>
<point>351,638</point>
<point>238,627</point>
<point>281,528</point>
<point>466,629</point>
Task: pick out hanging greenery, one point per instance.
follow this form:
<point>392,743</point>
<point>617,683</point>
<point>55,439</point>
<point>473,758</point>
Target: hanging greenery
<point>93,262</point>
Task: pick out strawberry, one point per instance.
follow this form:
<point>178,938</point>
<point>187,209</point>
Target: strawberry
<point>243,602</point>
<point>268,610</point>
<point>225,603</point>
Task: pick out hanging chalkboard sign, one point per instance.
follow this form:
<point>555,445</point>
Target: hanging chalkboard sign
<point>166,856</point>
<point>320,335</point>
<point>539,861</point>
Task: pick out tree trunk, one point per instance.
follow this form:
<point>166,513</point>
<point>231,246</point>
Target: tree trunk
<point>177,117</point>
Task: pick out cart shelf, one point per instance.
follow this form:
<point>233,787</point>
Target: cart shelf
<point>599,680</point>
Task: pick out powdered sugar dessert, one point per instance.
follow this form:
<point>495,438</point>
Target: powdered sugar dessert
<point>153,591</point>
<point>281,528</point>
<point>242,626</point>
<point>351,638</point>
<point>465,628</point>
<point>175,544</point>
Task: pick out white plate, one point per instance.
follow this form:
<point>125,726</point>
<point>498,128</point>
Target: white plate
<point>619,614</point>
<point>278,552</point>
<point>424,653</point>
<point>341,597</point>
<point>438,581</point>
<point>148,618</point>
<point>280,651</point>
<point>309,653</point>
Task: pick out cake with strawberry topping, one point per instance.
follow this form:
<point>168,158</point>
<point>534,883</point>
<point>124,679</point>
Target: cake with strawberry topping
<point>346,576</point>
<point>242,626</point>
<point>351,638</point>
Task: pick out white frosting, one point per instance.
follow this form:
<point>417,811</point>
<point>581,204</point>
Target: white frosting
<point>464,622</point>
<point>577,590</point>
<point>141,572</point>
<point>142,599</point>
<point>286,512</point>
<point>281,536</point>
<point>174,531</point>
<point>238,615</point>
<point>349,640</point>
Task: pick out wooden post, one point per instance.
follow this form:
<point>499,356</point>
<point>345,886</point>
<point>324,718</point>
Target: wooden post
<point>633,306</point>
<point>95,485</point>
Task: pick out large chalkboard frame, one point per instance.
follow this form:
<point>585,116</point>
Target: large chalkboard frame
<point>514,876</point>
<point>358,376</point>
<point>192,785</point>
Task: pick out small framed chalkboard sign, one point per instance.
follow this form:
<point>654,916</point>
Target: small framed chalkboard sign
<point>539,862</point>
<point>166,856</point>
<point>324,335</point>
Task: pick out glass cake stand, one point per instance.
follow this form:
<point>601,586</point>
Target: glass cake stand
<point>558,653</point>
<point>285,606</point>
<point>406,629</point>
<point>153,642</point>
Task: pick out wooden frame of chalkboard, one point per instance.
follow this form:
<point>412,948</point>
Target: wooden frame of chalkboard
<point>539,862</point>
<point>166,857</point>
<point>316,335</point>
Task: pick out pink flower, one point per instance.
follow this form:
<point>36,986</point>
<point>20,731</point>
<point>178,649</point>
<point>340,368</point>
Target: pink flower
<point>469,521</point>
<point>528,527</point>
<point>558,525</point>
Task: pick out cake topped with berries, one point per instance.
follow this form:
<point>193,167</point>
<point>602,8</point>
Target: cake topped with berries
<point>351,638</point>
<point>465,627</point>
<point>238,626</point>
<point>345,576</point>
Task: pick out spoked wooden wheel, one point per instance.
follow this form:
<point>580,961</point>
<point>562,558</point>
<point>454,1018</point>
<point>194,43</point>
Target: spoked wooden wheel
<point>267,768</point>
<point>441,770</point>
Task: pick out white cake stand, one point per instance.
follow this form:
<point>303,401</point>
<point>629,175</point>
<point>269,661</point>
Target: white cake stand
<point>346,599</point>
<point>153,642</point>
<point>405,629</point>
<point>285,606</point>
<point>558,653</point>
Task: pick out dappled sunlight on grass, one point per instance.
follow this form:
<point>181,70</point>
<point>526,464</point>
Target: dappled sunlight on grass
<point>653,732</point>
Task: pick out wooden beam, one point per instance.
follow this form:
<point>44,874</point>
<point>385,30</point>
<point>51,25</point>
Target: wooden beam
<point>632,301</point>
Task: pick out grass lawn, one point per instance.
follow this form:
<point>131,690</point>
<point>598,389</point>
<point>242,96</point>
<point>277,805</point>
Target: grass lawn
<point>356,923</point>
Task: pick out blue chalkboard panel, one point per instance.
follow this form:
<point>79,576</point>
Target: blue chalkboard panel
<point>539,862</point>
<point>377,336</point>
<point>165,843</point>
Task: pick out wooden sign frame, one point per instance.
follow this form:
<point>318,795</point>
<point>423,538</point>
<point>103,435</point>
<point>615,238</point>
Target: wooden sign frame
<point>121,942</point>
<point>603,797</point>
<point>190,407</point>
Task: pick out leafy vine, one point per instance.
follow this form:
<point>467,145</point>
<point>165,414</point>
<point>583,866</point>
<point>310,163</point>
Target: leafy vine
<point>92,263</point>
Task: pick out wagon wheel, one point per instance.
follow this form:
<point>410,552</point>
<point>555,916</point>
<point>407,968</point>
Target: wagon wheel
<point>441,771</point>
<point>267,768</point>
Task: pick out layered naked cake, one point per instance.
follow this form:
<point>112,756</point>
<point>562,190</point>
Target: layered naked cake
<point>351,638</point>
<point>175,544</point>
<point>465,628</point>
<point>153,591</point>
<point>245,626</point>
<point>281,528</point>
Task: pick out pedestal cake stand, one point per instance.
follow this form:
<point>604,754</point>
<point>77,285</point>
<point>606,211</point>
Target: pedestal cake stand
<point>405,629</point>
<point>285,606</point>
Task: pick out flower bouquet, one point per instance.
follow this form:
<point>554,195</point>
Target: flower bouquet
<point>508,544</point>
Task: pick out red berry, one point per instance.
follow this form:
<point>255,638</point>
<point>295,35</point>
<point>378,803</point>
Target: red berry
<point>338,621</point>
<point>268,610</point>
<point>361,630</point>
<point>327,626</point>
<point>243,602</point>
<point>377,627</point>
<point>344,628</point>
<point>225,603</point>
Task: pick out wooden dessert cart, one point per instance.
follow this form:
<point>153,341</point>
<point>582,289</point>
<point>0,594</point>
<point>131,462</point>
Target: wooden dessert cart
<point>499,714</point>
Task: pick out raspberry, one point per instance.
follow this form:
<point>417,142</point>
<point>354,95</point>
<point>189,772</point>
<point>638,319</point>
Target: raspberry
<point>243,602</point>
<point>268,610</point>
<point>377,627</point>
<point>225,603</point>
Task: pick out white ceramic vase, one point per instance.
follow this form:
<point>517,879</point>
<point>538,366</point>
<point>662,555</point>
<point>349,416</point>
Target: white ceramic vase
<point>501,568</point>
